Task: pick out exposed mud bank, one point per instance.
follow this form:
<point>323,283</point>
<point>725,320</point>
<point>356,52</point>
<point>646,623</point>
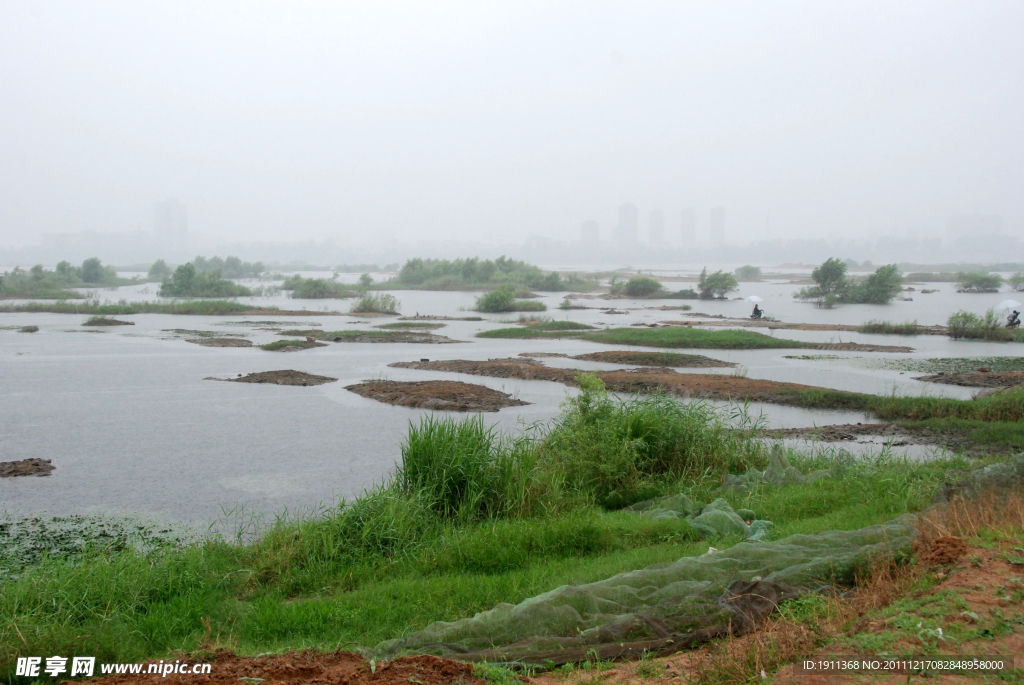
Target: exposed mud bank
<point>381,336</point>
<point>644,380</point>
<point>977,379</point>
<point>26,467</point>
<point>286,377</point>
<point>298,668</point>
<point>782,326</point>
<point>439,395</point>
<point>895,434</point>
<point>29,329</point>
<point>291,345</point>
<point>220,342</point>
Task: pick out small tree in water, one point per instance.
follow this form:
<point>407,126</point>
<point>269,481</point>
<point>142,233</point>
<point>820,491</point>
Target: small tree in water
<point>715,285</point>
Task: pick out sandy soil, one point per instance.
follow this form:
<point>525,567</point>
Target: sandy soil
<point>220,342</point>
<point>295,668</point>
<point>977,379</point>
<point>26,467</point>
<point>287,377</point>
<point>644,380</point>
<point>108,322</point>
<point>440,395</point>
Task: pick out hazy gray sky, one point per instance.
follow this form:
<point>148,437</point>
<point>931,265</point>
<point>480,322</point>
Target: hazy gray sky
<point>479,120</point>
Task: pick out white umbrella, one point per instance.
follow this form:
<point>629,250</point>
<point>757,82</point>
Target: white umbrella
<point>1008,304</point>
<point>755,299</point>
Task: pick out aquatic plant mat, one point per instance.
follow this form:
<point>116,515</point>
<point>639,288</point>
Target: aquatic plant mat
<point>438,395</point>
<point>287,377</point>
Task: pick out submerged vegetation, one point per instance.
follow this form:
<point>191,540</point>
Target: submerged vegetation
<point>978,282</point>
<point>318,288</point>
<point>989,326</point>
<point>832,285</point>
<point>889,328</point>
<point>503,299</point>
<point>187,281</point>
<point>475,274</point>
<point>94,307</point>
<point>40,283</point>
<point>376,303</point>
<point>421,546</point>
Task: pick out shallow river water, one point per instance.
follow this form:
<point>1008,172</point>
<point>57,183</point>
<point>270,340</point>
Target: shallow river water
<point>130,423</point>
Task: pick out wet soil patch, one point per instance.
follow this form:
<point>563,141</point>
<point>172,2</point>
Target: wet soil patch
<point>220,342</point>
<point>26,467</point>
<point>438,395</point>
<point>383,336</point>
<point>295,668</point>
<point>641,380</point>
<point>286,377</point>
<point>977,379</point>
<point>101,321</point>
<point>653,359</point>
<point>291,345</point>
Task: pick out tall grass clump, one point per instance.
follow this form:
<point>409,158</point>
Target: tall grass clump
<point>466,471</point>
<point>615,452</point>
<point>503,299</point>
<point>318,289</point>
<point>889,328</point>
<point>379,303</point>
<point>968,325</point>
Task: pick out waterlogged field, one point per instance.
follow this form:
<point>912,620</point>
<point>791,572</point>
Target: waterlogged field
<point>131,425</point>
<point>349,522</point>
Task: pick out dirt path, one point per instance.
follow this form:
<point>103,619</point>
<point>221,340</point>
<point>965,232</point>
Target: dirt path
<point>643,380</point>
<point>287,377</point>
<point>299,668</point>
<point>438,395</point>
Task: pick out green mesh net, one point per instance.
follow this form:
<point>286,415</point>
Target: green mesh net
<point>668,607</point>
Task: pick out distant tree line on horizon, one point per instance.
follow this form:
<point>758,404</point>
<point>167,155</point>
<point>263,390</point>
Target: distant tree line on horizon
<point>487,274</point>
<point>41,283</point>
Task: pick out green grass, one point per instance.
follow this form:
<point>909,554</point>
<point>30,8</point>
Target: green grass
<point>423,325</point>
<point>524,333</point>
<point>190,307</point>
<point>686,337</point>
<point>988,326</point>
<point>560,326</point>
<point>1005,406</point>
<point>889,328</point>
<point>656,358</point>
<point>278,345</point>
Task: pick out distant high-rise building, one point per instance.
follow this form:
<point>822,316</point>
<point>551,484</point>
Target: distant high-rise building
<point>627,230</point>
<point>717,226</point>
<point>689,231</point>
<point>170,220</point>
<point>590,232</point>
<point>656,229</point>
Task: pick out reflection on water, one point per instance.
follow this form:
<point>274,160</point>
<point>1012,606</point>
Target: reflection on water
<point>131,425</point>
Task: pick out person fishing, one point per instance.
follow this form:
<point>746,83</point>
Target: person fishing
<point>757,313</point>
<point>1013,320</point>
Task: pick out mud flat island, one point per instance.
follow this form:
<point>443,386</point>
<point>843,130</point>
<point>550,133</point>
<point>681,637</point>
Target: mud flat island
<point>654,359</point>
<point>26,467</point>
<point>977,379</point>
<point>443,395</point>
<point>384,336</point>
<point>287,377</point>
<point>220,342</point>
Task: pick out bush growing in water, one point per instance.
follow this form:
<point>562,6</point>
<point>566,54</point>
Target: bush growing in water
<point>748,273</point>
<point>316,288</point>
<point>885,327</point>
<point>636,287</point>
<point>187,283</point>
<point>966,324</point>
<point>833,287</point>
<point>380,303</point>
<point>443,274</point>
<point>978,282</point>
<point>715,285</point>
<point>503,299</point>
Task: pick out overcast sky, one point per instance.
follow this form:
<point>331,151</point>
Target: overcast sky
<point>494,121</point>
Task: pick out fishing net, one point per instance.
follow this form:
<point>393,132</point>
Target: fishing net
<point>779,472</point>
<point>669,607</point>
<point>663,608</point>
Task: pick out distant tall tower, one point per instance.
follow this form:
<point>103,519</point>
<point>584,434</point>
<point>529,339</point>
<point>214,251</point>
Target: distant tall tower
<point>656,229</point>
<point>590,232</point>
<point>689,232</point>
<point>170,222</point>
<point>717,226</point>
<point>626,231</point>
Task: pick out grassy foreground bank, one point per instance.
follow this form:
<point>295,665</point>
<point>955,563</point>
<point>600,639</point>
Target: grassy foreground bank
<point>471,518</point>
